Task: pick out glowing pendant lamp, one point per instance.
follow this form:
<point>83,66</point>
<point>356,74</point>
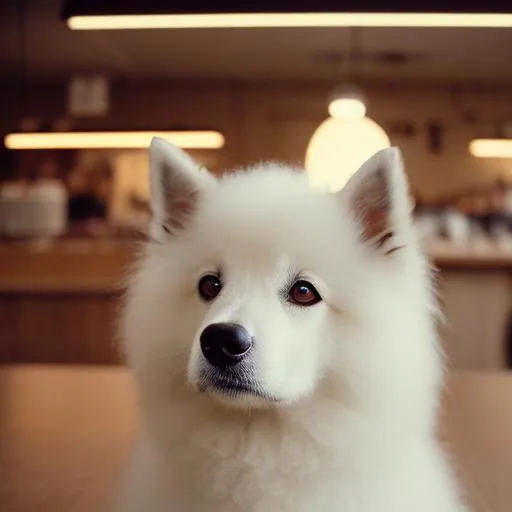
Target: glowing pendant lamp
<point>343,142</point>
<point>339,147</point>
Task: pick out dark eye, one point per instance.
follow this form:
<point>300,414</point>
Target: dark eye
<point>209,287</point>
<point>303,293</point>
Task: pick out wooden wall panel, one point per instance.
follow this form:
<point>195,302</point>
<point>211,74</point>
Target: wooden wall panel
<point>265,121</point>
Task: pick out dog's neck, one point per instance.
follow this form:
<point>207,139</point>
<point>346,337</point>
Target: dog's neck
<point>198,423</point>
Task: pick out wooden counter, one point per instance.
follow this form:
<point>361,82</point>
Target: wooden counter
<point>71,266</point>
<point>475,291</point>
<point>458,259</point>
<point>58,302</point>
<point>98,266</point>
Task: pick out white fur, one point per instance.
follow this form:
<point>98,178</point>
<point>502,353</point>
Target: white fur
<point>358,375</point>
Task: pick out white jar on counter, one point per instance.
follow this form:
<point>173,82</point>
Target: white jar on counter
<point>37,210</point>
<point>457,227</point>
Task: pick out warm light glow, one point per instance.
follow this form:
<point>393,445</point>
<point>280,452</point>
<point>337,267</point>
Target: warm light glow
<point>266,20</point>
<point>491,148</point>
<point>347,108</point>
<point>112,140</point>
<point>339,147</point>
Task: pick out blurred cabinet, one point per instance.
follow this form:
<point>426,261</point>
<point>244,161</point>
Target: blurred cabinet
<point>58,327</point>
<point>477,311</point>
<point>58,302</point>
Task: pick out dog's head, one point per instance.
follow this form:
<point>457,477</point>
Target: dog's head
<point>259,291</point>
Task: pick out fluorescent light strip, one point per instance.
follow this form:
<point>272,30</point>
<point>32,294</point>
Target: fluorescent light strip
<point>491,148</point>
<point>268,20</point>
<point>112,140</point>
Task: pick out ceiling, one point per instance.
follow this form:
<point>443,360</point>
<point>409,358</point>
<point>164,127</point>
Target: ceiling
<point>39,45</point>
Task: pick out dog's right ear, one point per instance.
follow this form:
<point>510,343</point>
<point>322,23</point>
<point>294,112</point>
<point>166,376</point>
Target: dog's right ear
<point>176,184</point>
<point>378,199</point>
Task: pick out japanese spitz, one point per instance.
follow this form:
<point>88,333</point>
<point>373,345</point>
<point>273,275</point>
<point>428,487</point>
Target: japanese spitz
<point>284,347</point>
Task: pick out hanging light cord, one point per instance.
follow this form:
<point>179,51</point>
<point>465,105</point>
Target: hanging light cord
<point>354,53</point>
<point>23,58</point>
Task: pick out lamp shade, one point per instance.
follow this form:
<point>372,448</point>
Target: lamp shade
<point>339,147</point>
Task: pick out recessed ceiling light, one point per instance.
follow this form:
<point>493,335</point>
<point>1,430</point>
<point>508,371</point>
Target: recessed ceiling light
<point>283,19</point>
<point>491,148</point>
<point>112,140</point>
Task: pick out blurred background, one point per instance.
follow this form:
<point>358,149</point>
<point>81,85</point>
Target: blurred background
<point>81,96</point>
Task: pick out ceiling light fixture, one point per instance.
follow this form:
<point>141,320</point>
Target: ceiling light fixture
<point>112,140</point>
<point>348,101</point>
<point>491,148</point>
<point>343,142</point>
<point>292,19</point>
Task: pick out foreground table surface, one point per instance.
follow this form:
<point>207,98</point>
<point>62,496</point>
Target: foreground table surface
<point>65,431</point>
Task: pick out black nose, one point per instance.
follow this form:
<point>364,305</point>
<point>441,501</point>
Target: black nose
<point>225,344</point>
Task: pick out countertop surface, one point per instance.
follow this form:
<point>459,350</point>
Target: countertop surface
<point>99,266</point>
<point>65,432</point>
<point>67,266</point>
<point>480,257</point>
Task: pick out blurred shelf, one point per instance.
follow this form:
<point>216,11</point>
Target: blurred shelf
<point>449,257</point>
<point>92,266</point>
<point>64,266</point>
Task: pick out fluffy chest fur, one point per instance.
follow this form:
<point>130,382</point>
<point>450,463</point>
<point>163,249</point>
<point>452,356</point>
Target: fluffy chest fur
<point>268,465</point>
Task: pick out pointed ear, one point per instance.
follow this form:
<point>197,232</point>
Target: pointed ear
<point>378,199</point>
<point>177,184</point>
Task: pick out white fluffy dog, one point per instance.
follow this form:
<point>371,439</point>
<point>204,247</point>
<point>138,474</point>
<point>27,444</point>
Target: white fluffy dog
<point>283,344</point>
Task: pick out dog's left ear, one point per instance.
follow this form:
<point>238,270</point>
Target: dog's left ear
<point>177,184</point>
<point>378,198</point>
